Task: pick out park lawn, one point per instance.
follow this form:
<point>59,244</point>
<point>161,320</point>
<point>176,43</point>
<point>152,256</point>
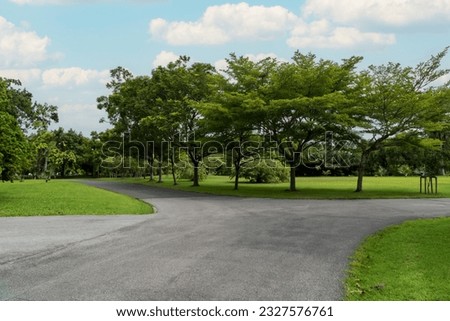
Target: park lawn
<point>61,197</point>
<point>408,262</point>
<point>309,187</point>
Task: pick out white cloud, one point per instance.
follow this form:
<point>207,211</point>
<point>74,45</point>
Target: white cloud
<point>24,75</point>
<point>237,22</point>
<point>59,77</point>
<point>260,56</point>
<point>164,58</point>
<point>221,65</point>
<point>80,116</point>
<point>77,108</point>
<point>321,34</point>
<point>442,81</point>
<point>396,13</point>
<point>19,48</point>
<point>224,23</point>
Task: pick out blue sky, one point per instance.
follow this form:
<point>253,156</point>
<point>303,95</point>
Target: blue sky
<point>62,50</point>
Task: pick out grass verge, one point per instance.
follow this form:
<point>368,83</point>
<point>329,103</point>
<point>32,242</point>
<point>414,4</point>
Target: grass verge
<point>408,262</point>
<point>309,187</point>
<point>59,197</point>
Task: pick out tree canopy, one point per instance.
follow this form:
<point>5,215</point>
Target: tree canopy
<point>189,119</point>
<point>252,106</point>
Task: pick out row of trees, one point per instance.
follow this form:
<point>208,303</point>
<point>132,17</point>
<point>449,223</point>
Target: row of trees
<point>29,148</point>
<point>315,116</point>
<point>309,110</point>
<point>18,115</point>
<point>63,153</point>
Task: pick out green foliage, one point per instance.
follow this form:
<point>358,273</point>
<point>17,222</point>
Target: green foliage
<point>18,102</point>
<point>265,171</point>
<point>236,109</point>
<point>185,170</point>
<point>381,171</point>
<point>392,101</point>
<point>70,152</point>
<point>13,147</point>
<point>18,113</point>
<point>405,170</point>
<point>307,98</point>
<point>162,109</point>
<point>43,147</point>
<point>390,113</point>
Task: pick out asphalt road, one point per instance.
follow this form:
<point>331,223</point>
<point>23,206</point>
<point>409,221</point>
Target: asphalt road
<point>195,248</point>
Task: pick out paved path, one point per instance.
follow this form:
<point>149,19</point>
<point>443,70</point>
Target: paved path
<point>196,248</point>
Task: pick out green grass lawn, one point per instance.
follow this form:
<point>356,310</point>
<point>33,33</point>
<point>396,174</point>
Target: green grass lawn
<point>409,262</point>
<point>310,187</point>
<point>59,197</point>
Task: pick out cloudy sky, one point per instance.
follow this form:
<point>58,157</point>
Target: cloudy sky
<point>62,50</point>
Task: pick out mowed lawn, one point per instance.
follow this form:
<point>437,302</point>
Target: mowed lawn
<point>408,262</point>
<point>61,197</point>
<point>309,187</point>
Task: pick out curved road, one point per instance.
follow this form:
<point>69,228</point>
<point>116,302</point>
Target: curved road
<point>196,248</point>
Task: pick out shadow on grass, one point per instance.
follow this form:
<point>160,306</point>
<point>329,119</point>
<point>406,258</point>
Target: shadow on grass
<point>307,188</point>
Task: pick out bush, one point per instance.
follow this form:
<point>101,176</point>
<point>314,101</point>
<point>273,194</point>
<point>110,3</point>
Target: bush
<point>185,170</point>
<point>265,171</point>
<point>405,170</point>
<point>381,171</point>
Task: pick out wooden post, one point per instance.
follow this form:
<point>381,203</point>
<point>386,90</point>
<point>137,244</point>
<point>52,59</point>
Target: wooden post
<point>428,184</point>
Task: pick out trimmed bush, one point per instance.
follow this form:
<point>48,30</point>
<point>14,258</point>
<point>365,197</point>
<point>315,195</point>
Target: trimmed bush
<point>265,171</point>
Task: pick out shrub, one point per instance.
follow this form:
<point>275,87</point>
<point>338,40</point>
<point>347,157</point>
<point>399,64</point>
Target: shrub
<point>381,171</point>
<point>265,171</point>
<point>405,170</point>
<point>185,170</point>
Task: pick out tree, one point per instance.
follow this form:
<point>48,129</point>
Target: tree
<point>161,120</point>
<point>93,159</point>
<point>231,122</point>
<point>13,144</point>
<point>13,147</point>
<point>306,98</point>
<point>114,103</point>
<point>392,101</point>
<point>180,90</point>
<point>234,113</point>
<point>19,103</point>
<point>20,114</point>
<point>129,102</point>
<point>70,150</point>
<point>436,133</point>
<point>43,147</point>
<point>44,115</point>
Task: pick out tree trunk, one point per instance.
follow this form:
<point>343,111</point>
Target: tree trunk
<point>151,161</point>
<point>195,163</point>
<point>63,169</point>
<point>45,164</point>
<point>292,187</point>
<point>174,174</point>
<point>361,170</point>
<point>196,175</point>
<point>160,172</point>
<point>237,168</point>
